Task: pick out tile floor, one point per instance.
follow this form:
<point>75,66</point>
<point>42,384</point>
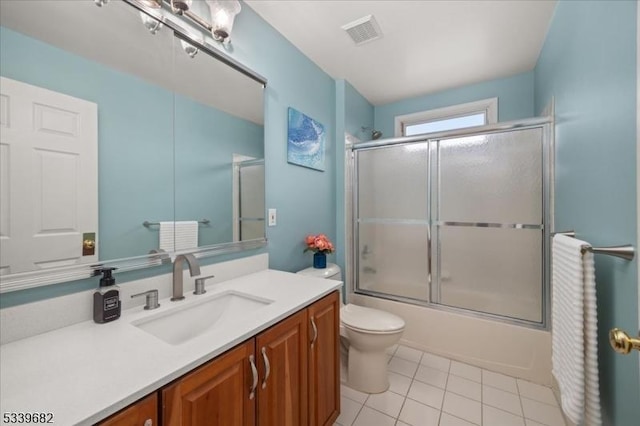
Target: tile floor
<point>428,390</point>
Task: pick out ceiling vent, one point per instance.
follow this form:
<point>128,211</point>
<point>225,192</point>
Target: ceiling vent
<point>363,30</point>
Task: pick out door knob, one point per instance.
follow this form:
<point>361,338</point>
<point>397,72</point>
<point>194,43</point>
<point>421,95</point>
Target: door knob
<point>621,342</point>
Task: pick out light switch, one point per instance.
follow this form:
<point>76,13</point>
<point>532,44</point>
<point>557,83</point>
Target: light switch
<point>272,217</point>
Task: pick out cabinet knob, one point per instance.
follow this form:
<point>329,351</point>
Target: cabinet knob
<point>148,422</point>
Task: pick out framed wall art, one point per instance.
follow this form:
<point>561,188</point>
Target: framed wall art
<point>305,141</point>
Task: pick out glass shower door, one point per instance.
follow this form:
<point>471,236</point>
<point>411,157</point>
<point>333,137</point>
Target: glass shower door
<point>456,222</point>
<point>488,224</point>
<point>251,199</point>
<point>392,221</point>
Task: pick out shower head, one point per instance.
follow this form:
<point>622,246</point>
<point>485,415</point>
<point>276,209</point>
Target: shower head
<point>375,134</point>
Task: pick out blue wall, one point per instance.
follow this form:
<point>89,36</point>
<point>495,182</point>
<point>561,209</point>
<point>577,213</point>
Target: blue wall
<point>304,198</point>
<point>515,100</point>
<point>353,112</point>
<point>588,64</point>
<point>358,113</point>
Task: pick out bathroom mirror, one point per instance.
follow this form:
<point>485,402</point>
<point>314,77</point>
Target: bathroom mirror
<point>167,131</point>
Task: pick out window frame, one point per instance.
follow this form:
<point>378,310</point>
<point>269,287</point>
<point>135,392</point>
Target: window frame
<point>487,106</point>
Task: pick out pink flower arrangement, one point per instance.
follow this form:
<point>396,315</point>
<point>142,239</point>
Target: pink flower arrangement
<point>318,244</point>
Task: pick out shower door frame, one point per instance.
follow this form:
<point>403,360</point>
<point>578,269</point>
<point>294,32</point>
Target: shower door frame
<point>351,195</point>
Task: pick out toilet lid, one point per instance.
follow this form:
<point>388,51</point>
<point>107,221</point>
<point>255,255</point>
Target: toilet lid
<point>369,319</point>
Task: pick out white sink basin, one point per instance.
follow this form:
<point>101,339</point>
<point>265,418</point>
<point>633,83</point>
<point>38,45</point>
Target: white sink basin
<point>186,322</point>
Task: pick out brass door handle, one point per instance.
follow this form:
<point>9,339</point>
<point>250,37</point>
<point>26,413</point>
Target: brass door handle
<point>621,342</point>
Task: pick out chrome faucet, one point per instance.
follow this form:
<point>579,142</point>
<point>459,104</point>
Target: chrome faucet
<point>194,269</point>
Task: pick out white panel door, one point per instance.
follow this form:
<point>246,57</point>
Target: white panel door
<point>49,177</point>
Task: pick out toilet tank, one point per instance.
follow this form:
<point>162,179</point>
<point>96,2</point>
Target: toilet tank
<point>331,272</point>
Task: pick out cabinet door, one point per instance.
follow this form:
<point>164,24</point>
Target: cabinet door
<point>216,394</point>
<point>324,361</point>
<point>282,353</point>
<point>142,413</point>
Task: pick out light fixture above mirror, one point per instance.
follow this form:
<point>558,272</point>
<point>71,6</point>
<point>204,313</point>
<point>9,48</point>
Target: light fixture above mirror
<point>223,14</point>
<point>154,4</point>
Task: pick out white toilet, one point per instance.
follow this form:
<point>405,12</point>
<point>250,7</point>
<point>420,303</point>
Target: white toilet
<point>367,333</point>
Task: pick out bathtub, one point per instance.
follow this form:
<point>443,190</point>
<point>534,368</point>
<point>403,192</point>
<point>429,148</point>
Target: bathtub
<point>510,349</point>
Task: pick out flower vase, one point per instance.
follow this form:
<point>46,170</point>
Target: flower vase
<point>319,260</point>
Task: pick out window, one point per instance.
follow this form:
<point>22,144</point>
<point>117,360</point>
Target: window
<point>448,118</point>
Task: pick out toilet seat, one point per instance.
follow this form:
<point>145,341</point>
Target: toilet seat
<point>368,320</point>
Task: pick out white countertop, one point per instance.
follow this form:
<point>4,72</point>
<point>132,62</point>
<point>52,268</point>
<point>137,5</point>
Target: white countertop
<point>86,372</point>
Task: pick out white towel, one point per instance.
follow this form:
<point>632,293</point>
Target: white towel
<point>574,330</point>
<point>178,235</point>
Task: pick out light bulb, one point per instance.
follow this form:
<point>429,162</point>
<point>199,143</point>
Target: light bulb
<point>223,13</point>
<point>190,50</point>
<point>150,23</point>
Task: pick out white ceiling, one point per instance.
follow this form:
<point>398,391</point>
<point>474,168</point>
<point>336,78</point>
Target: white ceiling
<point>427,46</point>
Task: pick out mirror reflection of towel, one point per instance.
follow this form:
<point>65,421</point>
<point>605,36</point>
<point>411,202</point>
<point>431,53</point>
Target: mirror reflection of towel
<point>183,233</point>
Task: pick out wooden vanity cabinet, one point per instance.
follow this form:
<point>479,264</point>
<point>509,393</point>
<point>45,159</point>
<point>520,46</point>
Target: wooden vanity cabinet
<point>294,365</point>
<point>324,361</point>
<point>282,351</point>
<point>218,393</point>
<point>141,413</point>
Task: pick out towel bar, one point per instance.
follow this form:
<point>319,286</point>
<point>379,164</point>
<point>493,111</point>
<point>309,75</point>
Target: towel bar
<point>626,251</point>
<point>148,224</point>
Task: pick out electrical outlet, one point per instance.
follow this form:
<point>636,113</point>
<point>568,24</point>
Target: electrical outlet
<point>272,217</point>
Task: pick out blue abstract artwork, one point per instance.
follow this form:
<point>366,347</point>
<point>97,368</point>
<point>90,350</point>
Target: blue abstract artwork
<point>305,141</point>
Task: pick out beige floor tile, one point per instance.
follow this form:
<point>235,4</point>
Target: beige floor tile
<point>447,419</point>
<point>371,417</point>
<point>402,366</point>
<point>503,400</point>
<point>416,414</point>
<point>464,387</point>
<point>542,413</point>
<point>398,383</point>
<point>349,409</point>
<point>467,371</point>
<point>426,394</point>
<point>353,394</point>
<point>536,392</point>
<point>388,403</point>
<point>431,376</point>
<point>494,417</point>
<point>435,361</point>
<point>464,408</point>
<point>500,381</point>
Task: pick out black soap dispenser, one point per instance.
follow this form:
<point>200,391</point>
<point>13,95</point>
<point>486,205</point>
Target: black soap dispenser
<point>106,299</point>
